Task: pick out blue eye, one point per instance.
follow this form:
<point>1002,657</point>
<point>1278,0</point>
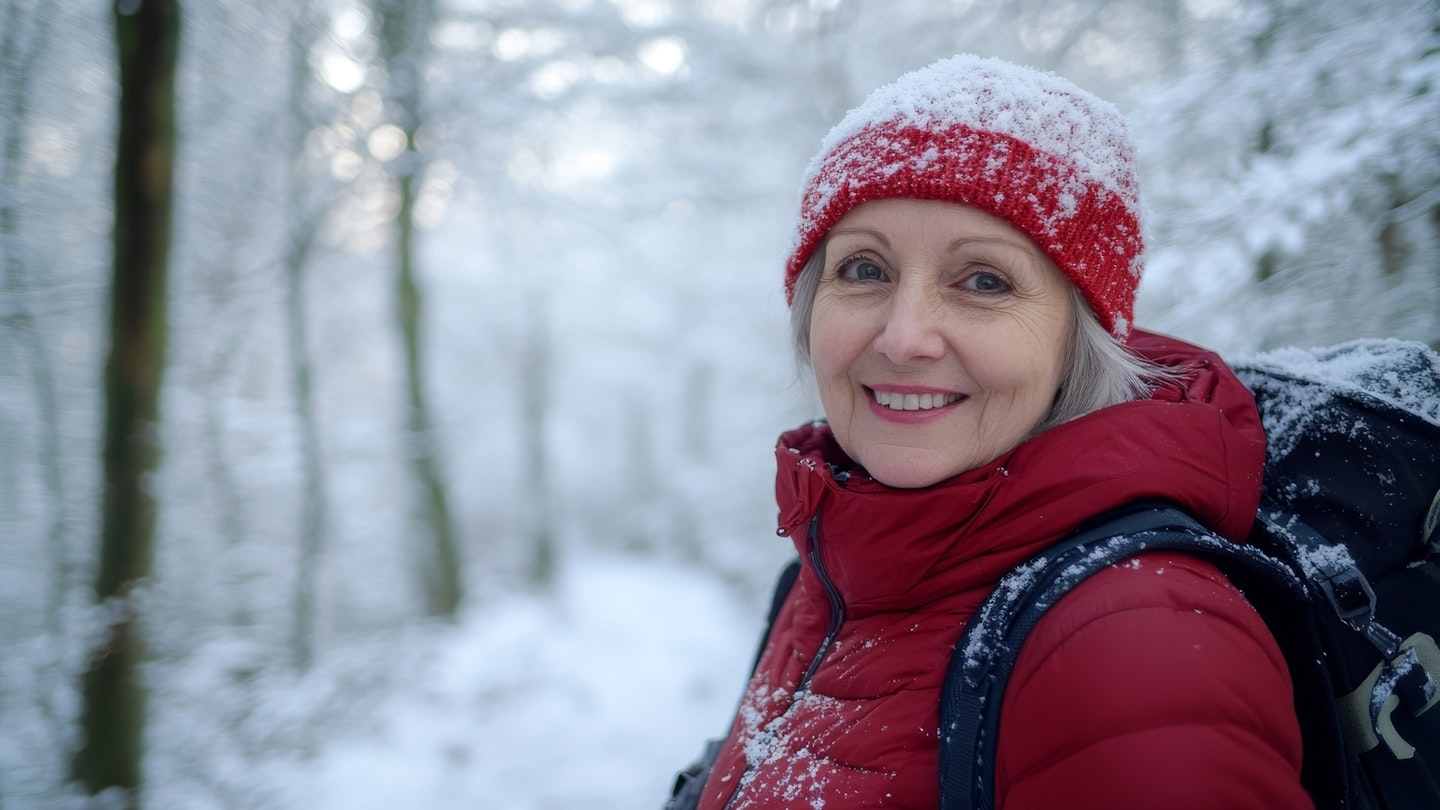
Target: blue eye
<point>986,282</point>
<point>860,269</point>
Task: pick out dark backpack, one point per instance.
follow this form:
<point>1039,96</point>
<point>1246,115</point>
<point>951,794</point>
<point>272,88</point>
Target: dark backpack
<point>1343,564</point>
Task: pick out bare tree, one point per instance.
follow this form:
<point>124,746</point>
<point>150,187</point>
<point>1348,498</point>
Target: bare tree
<point>404,28</point>
<point>113,713</point>
<point>535,416</point>
<point>303,220</point>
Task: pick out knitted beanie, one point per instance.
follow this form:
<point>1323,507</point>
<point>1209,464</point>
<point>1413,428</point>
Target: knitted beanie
<point>1021,144</point>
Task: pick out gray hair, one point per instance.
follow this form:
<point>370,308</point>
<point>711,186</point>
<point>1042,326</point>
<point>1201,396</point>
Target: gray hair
<point>1099,372</point>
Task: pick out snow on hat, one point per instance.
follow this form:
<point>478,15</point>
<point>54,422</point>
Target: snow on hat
<point>1024,145</point>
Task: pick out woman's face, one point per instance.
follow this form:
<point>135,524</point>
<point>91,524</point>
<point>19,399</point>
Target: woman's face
<point>938,338</point>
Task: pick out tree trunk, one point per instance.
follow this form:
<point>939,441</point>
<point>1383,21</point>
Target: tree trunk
<point>535,413</point>
<point>303,226</point>
<point>403,33</point>
<point>113,711</point>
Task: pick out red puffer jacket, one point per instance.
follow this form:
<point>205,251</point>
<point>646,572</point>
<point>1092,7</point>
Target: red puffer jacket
<point>1152,685</point>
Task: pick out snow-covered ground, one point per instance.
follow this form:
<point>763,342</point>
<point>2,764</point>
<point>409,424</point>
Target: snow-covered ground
<point>589,698</point>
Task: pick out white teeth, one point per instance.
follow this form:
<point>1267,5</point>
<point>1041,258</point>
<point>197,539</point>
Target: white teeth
<point>914,402</point>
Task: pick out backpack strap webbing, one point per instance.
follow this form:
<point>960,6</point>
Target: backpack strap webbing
<point>983,658</point>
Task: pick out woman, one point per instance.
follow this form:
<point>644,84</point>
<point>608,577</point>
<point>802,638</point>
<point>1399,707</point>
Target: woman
<point>962,284</point>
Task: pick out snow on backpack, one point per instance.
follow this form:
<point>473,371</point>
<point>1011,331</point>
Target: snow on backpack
<point>1343,564</point>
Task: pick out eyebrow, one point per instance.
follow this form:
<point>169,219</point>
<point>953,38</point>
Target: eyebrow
<point>999,240</point>
<point>870,232</point>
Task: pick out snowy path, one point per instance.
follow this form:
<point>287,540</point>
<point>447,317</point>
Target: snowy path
<point>589,700</point>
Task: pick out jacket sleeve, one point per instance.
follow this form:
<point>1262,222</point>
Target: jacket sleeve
<point>1152,684</point>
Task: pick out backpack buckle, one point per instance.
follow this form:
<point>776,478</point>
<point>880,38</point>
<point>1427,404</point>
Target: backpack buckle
<point>1350,594</point>
<point>1353,600</point>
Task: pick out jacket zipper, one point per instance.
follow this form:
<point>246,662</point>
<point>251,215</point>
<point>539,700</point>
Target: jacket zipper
<point>832,630</point>
<point>837,605</point>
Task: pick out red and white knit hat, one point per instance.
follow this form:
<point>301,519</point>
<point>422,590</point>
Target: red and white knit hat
<point>1021,144</point>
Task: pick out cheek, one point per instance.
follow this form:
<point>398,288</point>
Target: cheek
<point>1012,381</point>
<point>1050,364</point>
<point>1025,363</point>
<point>832,340</point>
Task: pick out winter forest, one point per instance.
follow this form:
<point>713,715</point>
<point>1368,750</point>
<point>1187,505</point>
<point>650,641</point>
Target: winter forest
<point>466,350</point>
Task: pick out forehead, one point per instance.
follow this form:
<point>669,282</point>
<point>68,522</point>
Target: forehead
<point>903,220</point>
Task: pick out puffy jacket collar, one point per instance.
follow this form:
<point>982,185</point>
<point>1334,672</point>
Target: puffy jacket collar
<point>1198,444</point>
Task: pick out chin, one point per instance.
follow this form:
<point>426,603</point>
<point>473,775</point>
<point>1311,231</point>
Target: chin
<point>910,476</point>
<point>914,468</point>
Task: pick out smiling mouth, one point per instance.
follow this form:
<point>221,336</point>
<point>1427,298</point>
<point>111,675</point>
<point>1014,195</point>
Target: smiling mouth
<point>914,402</point>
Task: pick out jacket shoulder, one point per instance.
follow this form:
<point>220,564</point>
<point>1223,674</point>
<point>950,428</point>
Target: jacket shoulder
<point>1153,683</point>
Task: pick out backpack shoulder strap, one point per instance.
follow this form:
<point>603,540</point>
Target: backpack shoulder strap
<point>983,658</point>
<point>783,585</point>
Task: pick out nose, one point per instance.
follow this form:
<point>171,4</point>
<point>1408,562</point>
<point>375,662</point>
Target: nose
<point>911,331</point>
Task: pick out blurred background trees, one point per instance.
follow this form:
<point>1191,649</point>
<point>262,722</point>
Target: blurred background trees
<point>463,290</point>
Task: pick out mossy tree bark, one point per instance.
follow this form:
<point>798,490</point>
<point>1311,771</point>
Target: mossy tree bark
<point>113,712</point>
